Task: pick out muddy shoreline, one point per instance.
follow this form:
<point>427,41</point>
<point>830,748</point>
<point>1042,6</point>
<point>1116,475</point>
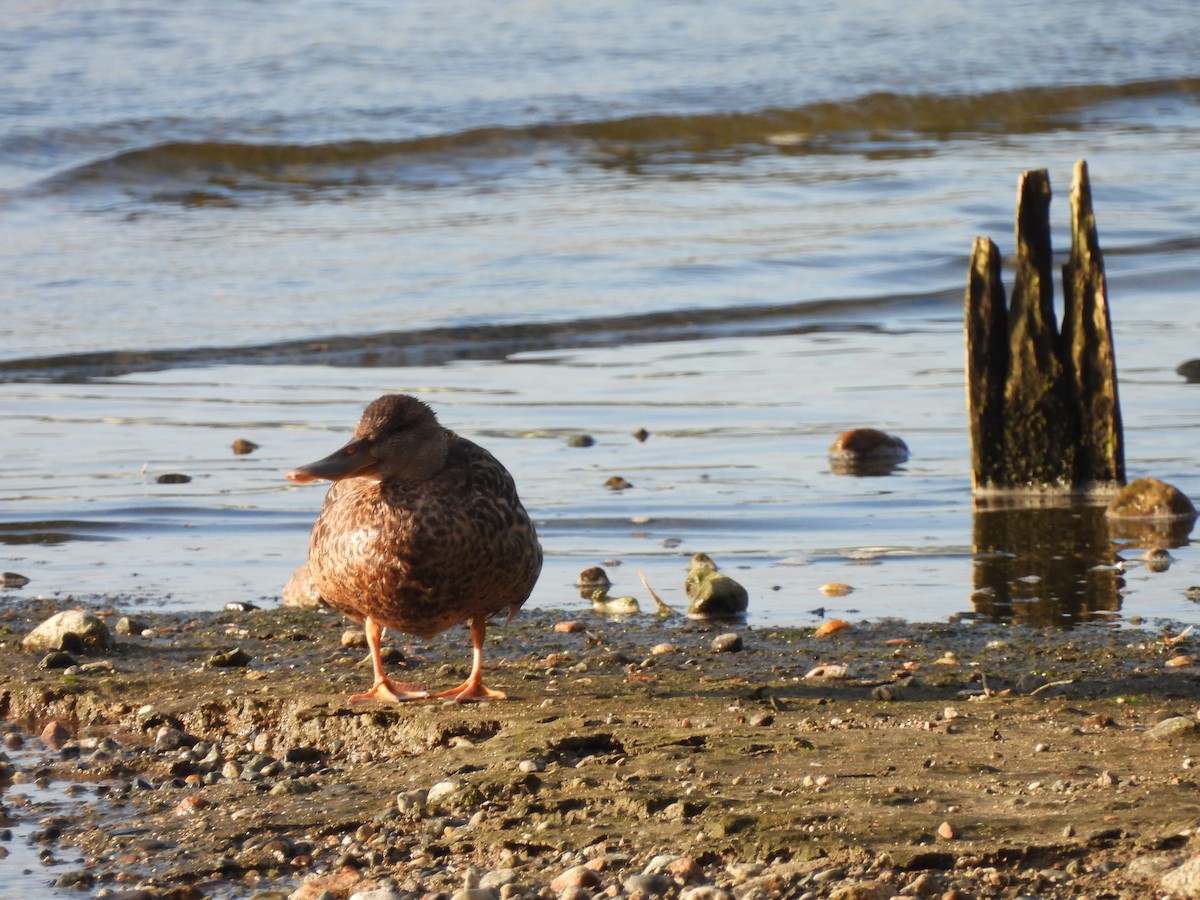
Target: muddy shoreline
<point>635,757</point>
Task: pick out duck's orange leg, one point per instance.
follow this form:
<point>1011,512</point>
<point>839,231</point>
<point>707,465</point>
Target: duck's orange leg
<point>473,688</point>
<point>384,689</point>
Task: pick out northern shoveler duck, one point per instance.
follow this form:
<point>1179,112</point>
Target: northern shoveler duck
<point>422,529</point>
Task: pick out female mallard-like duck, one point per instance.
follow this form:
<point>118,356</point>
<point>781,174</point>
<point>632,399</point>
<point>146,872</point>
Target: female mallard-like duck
<point>422,529</point>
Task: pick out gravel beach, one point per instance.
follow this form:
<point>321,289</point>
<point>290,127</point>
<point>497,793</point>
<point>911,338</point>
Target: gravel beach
<point>215,755</point>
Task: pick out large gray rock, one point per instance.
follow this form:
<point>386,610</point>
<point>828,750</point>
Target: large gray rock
<point>75,625</point>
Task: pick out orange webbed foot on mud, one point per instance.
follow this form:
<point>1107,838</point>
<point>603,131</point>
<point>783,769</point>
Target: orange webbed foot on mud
<point>385,690</point>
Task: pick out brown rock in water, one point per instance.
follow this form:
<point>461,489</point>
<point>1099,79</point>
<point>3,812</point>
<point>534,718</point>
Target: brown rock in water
<point>591,580</point>
<point>1149,498</point>
<point>868,443</point>
<point>1190,370</point>
<point>55,735</point>
<point>242,446</point>
<point>72,625</point>
<point>13,580</point>
<point>866,451</point>
<point>173,478</point>
<point>300,590</point>
<point>593,585</point>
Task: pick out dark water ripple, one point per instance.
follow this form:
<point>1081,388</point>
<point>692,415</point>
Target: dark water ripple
<point>215,171</point>
<point>435,346</point>
<point>58,531</point>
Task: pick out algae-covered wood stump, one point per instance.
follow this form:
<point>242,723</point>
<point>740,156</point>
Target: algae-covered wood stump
<point>1043,404</point>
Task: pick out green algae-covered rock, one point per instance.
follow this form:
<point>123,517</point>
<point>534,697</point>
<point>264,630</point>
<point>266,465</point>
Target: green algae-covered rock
<point>713,594</point>
<point>1149,498</point>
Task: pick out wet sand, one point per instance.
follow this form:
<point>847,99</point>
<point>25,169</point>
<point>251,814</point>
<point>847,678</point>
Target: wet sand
<point>635,757</point>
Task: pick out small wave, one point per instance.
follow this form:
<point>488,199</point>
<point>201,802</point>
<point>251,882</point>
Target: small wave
<point>57,531</point>
<point>201,172</point>
<point>436,346</point>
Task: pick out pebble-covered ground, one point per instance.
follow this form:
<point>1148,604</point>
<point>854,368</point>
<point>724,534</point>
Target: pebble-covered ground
<point>216,756</point>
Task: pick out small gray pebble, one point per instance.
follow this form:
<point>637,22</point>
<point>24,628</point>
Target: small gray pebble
<point>475,894</point>
<point>229,659</point>
<point>58,659</point>
<point>826,875</point>
<point>127,625</point>
<point>727,643</point>
<point>498,878</point>
<point>651,885</point>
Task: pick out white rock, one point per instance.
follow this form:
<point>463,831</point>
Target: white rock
<point>1152,867</point>
<point>498,878</point>
<point>1185,880</point>
<point>658,864</point>
<point>443,791</point>
<point>1172,727</point>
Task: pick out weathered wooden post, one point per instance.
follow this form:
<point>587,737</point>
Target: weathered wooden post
<point>1088,344</point>
<point>1045,426</point>
<point>1043,405</point>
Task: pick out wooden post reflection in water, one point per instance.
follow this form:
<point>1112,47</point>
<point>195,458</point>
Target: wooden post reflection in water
<point>1044,565</point>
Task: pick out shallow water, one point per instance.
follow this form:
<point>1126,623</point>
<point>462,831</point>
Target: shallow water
<point>31,861</point>
<point>741,228</point>
<point>735,466</point>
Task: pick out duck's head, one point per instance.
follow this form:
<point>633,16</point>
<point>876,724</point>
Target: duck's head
<point>398,437</point>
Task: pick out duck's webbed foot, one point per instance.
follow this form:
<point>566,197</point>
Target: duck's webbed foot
<point>472,690</point>
<point>385,690</point>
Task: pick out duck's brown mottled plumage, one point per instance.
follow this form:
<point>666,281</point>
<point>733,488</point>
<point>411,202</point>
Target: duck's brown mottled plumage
<point>421,530</point>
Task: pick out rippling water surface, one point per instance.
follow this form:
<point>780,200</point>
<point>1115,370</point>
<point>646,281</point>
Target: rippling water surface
<point>741,227</point>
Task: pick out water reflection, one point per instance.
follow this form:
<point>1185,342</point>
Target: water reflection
<point>1044,565</point>
<point>1151,534</point>
<point>866,468</point>
<point>1059,565</point>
